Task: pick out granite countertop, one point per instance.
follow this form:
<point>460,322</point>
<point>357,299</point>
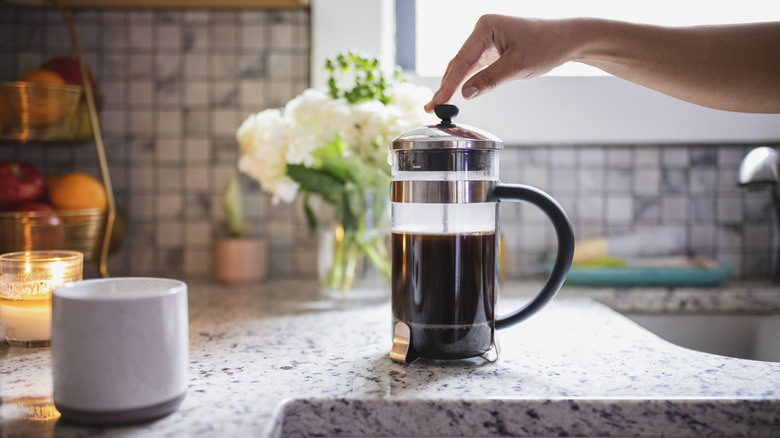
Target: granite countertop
<point>272,360</point>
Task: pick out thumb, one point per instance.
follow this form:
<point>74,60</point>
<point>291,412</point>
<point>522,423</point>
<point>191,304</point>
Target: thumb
<point>489,78</point>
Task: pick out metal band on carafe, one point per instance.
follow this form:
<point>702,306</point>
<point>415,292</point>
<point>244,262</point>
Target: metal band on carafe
<point>442,192</point>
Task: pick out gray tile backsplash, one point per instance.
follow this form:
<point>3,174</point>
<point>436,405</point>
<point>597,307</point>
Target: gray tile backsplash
<point>614,190</point>
<point>177,84</point>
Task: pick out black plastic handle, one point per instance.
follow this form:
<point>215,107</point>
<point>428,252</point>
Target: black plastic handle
<point>565,233</point>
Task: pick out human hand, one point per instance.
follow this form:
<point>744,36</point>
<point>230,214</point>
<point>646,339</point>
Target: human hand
<point>503,48</point>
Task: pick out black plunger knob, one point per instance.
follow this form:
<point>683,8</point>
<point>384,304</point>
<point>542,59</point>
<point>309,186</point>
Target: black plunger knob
<point>446,113</point>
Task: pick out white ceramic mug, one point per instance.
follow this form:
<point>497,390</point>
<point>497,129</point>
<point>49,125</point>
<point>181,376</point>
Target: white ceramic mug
<point>119,349</point>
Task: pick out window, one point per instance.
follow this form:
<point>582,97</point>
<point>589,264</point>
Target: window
<point>554,109</point>
<point>440,28</point>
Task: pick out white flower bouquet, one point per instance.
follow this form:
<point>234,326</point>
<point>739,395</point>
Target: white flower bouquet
<point>334,143</point>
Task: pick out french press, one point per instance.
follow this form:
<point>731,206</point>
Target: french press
<point>445,193</point>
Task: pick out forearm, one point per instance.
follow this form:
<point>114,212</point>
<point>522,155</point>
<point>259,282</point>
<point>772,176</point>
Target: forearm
<point>734,68</point>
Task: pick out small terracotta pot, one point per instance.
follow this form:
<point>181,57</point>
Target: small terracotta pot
<point>239,260</point>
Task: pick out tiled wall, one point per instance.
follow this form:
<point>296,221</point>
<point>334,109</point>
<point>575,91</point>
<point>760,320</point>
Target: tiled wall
<point>177,84</point>
<point>616,190</point>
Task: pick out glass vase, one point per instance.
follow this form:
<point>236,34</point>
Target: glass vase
<point>353,256</point>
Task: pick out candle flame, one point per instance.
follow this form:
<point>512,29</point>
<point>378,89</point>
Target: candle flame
<point>57,270</point>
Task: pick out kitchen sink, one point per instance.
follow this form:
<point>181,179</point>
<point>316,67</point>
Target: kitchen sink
<point>755,337</point>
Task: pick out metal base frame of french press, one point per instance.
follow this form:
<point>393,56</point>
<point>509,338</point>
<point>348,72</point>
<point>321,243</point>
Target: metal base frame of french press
<point>403,350</point>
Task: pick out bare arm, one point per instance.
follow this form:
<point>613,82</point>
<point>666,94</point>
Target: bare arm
<point>735,67</point>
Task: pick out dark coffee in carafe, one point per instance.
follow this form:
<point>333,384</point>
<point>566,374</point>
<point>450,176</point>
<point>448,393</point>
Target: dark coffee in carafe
<point>443,288</point>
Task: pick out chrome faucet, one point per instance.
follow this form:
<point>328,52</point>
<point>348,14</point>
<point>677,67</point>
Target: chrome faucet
<point>760,169</point>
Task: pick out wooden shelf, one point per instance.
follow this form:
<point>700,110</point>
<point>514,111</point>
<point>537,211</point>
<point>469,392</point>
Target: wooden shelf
<point>158,4</point>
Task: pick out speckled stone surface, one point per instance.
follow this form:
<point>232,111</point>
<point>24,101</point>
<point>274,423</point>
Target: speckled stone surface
<point>746,298</point>
<point>268,361</point>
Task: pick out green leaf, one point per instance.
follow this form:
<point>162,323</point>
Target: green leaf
<point>343,215</point>
<point>334,149</point>
<point>311,217</point>
<point>362,173</point>
<point>338,167</point>
<point>381,180</point>
<point>371,83</point>
<point>355,200</point>
<point>315,181</point>
<point>233,207</point>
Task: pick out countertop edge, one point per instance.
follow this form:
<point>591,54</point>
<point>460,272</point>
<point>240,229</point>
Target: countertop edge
<point>528,417</point>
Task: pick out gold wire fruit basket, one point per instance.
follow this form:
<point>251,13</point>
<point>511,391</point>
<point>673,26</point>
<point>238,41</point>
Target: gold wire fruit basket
<point>76,230</point>
<point>31,111</point>
<point>93,230</point>
<point>36,111</point>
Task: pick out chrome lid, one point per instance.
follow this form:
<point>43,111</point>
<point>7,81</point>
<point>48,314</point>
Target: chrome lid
<point>447,135</point>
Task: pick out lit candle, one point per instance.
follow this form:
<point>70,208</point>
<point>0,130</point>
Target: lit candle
<point>26,282</point>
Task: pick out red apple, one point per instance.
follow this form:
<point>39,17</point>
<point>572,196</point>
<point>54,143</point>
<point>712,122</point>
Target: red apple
<point>19,182</point>
<point>69,69</point>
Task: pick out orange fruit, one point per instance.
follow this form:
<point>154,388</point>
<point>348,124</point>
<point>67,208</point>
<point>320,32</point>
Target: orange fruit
<point>43,106</point>
<point>42,77</point>
<point>77,190</point>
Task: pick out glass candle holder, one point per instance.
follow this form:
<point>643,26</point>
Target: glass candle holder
<point>27,280</point>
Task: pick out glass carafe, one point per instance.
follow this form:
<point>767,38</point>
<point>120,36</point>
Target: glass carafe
<point>445,195</point>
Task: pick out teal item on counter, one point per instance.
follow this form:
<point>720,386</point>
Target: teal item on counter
<point>646,276</point>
